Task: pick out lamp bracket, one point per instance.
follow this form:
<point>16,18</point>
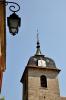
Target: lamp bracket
<point>12,7</point>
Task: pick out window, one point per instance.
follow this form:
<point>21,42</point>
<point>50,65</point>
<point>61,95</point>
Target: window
<point>43,80</point>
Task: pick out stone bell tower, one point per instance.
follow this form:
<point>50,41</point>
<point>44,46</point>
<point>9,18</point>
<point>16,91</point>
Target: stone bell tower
<point>40,78</point>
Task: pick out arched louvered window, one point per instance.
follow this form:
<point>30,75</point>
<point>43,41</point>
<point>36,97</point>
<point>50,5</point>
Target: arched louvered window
<point>43,80</point>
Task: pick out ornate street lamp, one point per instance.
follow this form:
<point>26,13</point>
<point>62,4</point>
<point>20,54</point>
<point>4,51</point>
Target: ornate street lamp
<point>13,21</point>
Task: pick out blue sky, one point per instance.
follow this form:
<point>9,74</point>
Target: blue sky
<point>49,16</point>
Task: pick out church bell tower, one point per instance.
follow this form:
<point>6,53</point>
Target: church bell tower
<point>40,78</point>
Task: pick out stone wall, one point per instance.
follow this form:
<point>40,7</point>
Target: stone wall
<point>36,92</point>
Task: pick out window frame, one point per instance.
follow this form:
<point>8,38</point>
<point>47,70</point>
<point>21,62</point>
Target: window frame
<point>43,80</point>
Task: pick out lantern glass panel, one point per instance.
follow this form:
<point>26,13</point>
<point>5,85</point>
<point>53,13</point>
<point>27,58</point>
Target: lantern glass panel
<point>14,23</point>
<point>13,26</point>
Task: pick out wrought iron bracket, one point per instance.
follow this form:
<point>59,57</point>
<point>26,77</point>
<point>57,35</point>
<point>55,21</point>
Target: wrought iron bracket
<point>12,7</point>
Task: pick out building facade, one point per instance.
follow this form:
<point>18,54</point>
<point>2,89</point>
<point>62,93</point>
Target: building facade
<point>2,41</point>
<point>40,78</point>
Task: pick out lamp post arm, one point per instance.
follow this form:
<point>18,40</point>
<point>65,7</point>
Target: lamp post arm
<point>12,7</point>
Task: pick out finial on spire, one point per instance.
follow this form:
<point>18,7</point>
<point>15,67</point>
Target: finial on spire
<point>38,44</point>
<point>38,52</point>
<point>37,36</point>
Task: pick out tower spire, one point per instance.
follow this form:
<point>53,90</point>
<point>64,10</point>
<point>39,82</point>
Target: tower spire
<point>38,51</point>
<point>38,44</point>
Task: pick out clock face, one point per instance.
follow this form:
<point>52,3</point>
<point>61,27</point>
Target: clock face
<point>41,63</point>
